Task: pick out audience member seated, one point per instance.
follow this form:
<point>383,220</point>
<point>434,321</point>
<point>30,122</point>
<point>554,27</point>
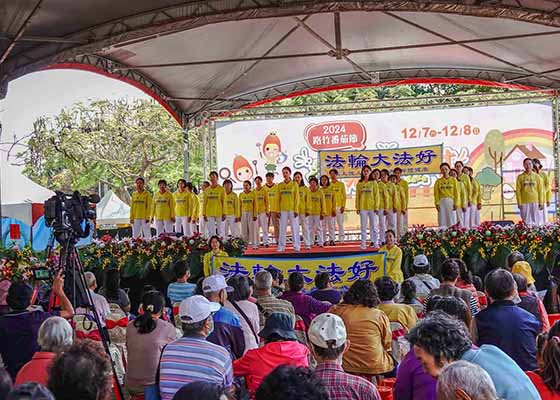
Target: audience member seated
<point>247,312</point>
<point>462,380</point>
<point>547,377</point>
<point>325,290</point>
<point>369,332</point>
<point>100,303</point>
<point>465,280</point>
<point>450,275</point>
<point>408,293</point>
<point>30,391</point>
<point>112,291</point>
<point>388,289</point>
<point>19,327</point>
<point>202,391</point>
<point>505,325</point>
<point>5,383</point>
<point>81,372</point>
<point>277,281</point>
<point>327,335</point>
<point>180,289</point>
<point>456,308</point>
<point>422,279</point>
<point>55,336</point>
<point>192,358</point>
<point>439,340</point>
<point>531,302</point>
<point>4,287</point>
<point>146,337</point>
<point>280,348</point>
<point>227,330</point>
<point>267,302</point>
<point>304,305</point>
<point>516,264</point>
<point>291,383</point>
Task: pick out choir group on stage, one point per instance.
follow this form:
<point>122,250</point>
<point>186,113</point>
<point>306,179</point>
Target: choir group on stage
<point>315,211</point>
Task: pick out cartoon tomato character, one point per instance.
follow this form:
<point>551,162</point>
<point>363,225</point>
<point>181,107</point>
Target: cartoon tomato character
<point>242,169</point>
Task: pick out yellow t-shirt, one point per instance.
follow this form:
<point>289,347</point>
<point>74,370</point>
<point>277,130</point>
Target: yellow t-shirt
<point>272,193</point>
<point>466,180</point>
<point>366,196</point>
<point>330,206</point>
<point>214,202</point>
<point>547,190</point>
<point>447,188</point>
<point>476,194</point>
<point>401,313</point>
<point>232,205</point>
<point>303,192</point>
<point>288,194</point>
<point>247,202</point>
<point>207,261</point>
<point>385,202</point>
<point>394,261</point>
<point>141,205</point>
<point>195,201</point>
<point>463,197</point>
<point>404,186</point>
<point>393,196</point>
<point>261,200</point>
<point>315,203</point>
<point>339,189</point>
<point>163,206</point>
<point>183,203</point>
<point>528,189</point>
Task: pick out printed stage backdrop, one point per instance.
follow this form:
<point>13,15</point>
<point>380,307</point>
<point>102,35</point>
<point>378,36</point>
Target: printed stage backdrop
<point>478,136</point>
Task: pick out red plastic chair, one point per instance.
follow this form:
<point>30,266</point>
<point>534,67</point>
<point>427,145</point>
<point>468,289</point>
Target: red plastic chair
<point>385,392</point>
<point>389,382</point>
<point>552,318</point>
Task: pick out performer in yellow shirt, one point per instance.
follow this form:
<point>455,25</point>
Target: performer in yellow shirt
<point>366,204</point>
<point>302,191</point>
<point>248,214</point>
<point>547,191</point>
<point>339,189</point>
<point>273,210</point>
<point>314,212</point>
<point>231,210</point>
<point>385,203</point>
<point>201,220</point>
<point>394,200</point>
<point>183,209</point>
<point>462,206</point>
<point>475,199</point>
<point>394,257</point>
<point>195,210</point>
<point>214,207</point>
<point>402,217</point>
<point>216,249</point>
<point>529,194</point>
<point>463,213</point>
<point>288,203</point>
<point>330,210</point>
<point>261,209</point>
<point>399,202</point>
<point>446,197</point>
<point>141,211</point>
<point>163,209</point>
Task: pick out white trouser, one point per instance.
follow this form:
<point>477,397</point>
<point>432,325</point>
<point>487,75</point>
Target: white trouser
<point>542,216</point>
<point>202,227</point>
<point>328,227</point>
<point>163,226</point>
<point>400,230</point>
<point>141,228</point>
<point>285,217</point>
<point>446,216</point>
<point>460,216</point>
<point>467,217</point>
<point>365,216</point>
<point>305,231</point>
<point>340,224</point>
<point>261,224</point>
<point>474,216</point>
<point>529,213</point>
<point>391,219</point>
<point>248,228</point>
<point>215,227</point>
<point>183,225</point>
<point>230,226</point>
<point>314,226</point>
<point>382,227</point>
<point>193,227</point>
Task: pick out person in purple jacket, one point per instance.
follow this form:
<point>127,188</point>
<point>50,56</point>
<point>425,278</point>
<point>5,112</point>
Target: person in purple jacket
<point>325,290</point>
<point>305,306</point>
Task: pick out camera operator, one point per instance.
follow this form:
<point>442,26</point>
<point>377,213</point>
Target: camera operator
<point>20,326</point>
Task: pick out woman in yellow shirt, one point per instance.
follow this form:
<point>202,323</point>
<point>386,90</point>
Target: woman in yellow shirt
<point>475,200</point>
<point>231,211</point>
<point>141,211</point>
<point>394,257</point>
<point>315,209</point>
<point>330,210</point>
<point>366,204</point>
<point>302,191</point>
<point>214,206</point>
<point>529,194</point>
<point>261,209</point>
<point>385,203</point>
<point>288,203</point>
<point>402,218</point>
<point>183,209</point>
<point>462,207</point>
<point>216,249</point>
<point>388,289</point>
<point>163,209</point>
<point>248,214</point>
<point>547,191</point>
<point>446,197</point>
<point>339,189</point>
<point>393,193</point>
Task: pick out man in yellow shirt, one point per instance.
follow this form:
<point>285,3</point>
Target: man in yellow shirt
<point>529,194</point>
<point>248,215</point>
<point>141,211</point>
<point>213,207</point>
<point>446,197</point>
<point>274,212</point>
<point>201,220</point>
<point>402,217</point>
<point>547,191</point>
<point>232,211</point>
<point>339,189</point>
<point>183,209</point>
<point>314,211</point>
<point>288,204</point>
<point>163,209</point>
<point>261,209</point>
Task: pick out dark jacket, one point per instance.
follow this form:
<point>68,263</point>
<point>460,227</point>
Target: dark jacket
<point>529,303</point>
<point>228,333</point>
<point>512,329</point>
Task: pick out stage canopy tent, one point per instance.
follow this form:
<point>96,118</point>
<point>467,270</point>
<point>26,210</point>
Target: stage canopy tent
<point>112,211</point>
<point>196,56</point>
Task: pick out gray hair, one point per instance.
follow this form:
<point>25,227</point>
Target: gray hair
<point>55,335</point>
<point>470,378</point>
<point>263,280</point>
<point>90,279</point>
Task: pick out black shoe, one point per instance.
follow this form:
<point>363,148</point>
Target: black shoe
<point>331,243</point>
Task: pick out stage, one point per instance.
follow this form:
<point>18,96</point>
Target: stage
<point>342,249</point>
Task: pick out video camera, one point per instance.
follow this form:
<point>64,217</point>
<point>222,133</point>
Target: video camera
<point>70,212</point>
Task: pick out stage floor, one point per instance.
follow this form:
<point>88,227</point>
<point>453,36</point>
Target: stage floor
<point>346,248</point>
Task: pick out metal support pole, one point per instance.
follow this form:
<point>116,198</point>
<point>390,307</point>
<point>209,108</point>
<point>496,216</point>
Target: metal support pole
<point>337,35</point>
<point>204,148</point>
<point>212,136</point>
<point>186,156</point>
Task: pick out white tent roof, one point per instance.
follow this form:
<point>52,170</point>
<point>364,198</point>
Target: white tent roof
<point>17,188</point>
<point>112,211</point>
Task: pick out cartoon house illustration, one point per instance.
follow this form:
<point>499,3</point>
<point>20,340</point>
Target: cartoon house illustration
<point>513,161</point>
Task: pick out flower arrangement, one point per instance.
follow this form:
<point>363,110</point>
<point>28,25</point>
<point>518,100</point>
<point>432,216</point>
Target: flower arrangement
<point>17,264</point>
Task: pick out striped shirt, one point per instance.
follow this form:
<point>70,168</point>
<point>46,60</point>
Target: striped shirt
<point>343,386</point>
<point>271,304</point>
<point>179,291</point>
<point>192,359</point>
